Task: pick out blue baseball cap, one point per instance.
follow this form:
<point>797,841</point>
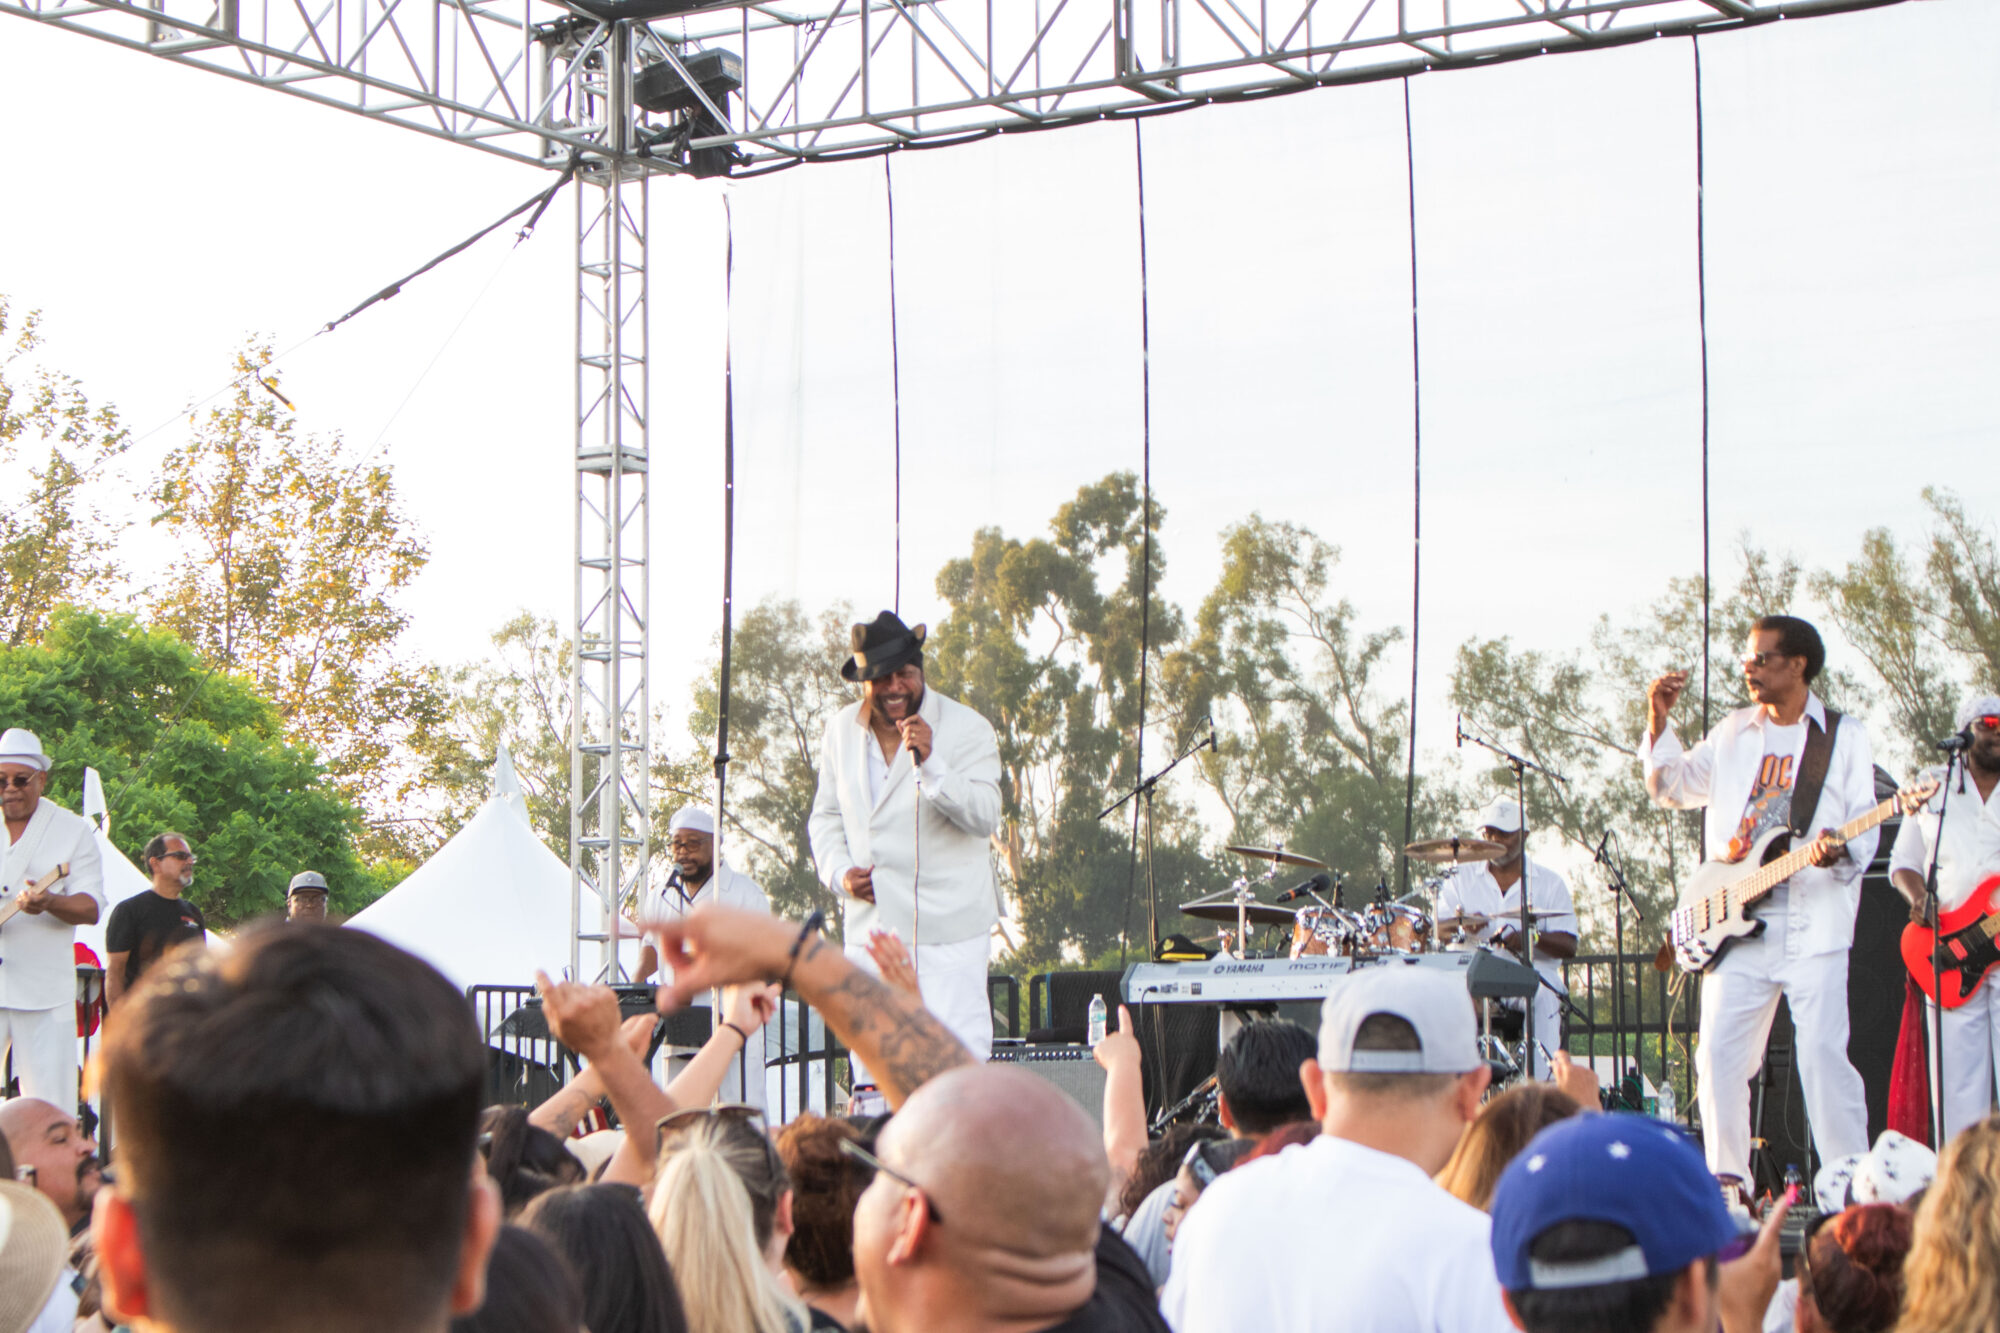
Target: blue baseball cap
<point>1626,1170</point>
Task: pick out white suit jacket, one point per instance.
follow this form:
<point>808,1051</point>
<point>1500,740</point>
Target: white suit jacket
<point>1720,773</point>
<point>38,953</point>
<point>952,849</point>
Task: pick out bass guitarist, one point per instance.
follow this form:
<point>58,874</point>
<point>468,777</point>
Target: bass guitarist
<point>1744,773</point>
<point>1968,851</point>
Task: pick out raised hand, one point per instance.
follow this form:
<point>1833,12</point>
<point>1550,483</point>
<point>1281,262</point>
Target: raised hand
<point>1661,696</point>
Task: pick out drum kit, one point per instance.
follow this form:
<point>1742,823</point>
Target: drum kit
<point>1385,927</point>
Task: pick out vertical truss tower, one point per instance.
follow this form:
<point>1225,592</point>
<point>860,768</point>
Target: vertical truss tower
<point>610,747</point>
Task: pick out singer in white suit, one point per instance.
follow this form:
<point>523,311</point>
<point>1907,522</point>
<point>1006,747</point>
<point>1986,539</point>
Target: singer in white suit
<point>37,947</point>
<point>901,828</point>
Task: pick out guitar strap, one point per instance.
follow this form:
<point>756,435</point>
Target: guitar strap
<point>1812,774</point>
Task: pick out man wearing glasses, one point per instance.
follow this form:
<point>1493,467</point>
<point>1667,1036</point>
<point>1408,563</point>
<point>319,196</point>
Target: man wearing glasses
<point>51,864</point>
<point>146,925</point>
<point>1743,773</point>
<point>1967,841</point>
<point>696,879</point>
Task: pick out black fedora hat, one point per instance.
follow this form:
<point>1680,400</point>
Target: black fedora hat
<point>882,645</point>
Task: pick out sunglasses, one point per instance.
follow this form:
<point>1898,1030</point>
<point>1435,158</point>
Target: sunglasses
<point>1987,722</point>
<point>681,1121</point>
<point>188,857</point>
<point>870,1160</point>
<point>1750,660</point>
<point>19,780</point>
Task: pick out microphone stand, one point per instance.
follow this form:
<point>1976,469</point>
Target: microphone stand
<point>1520,764</point>
<point>1621,893</point>
<point>1145,789</point>
<point>1952,758</point>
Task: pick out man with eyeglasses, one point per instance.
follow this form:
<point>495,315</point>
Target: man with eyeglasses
<point>1967,839</point>
<point>146,925</point>
<point>52,867</point>
<point>1743,773</point>
<point>696,878</point>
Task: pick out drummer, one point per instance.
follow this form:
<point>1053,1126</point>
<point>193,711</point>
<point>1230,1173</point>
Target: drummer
<point>1492,890</point>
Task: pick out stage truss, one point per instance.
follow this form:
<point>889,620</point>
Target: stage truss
<point>624,89</point>
<point>821,79</point>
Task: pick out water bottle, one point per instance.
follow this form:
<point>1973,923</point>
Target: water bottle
<point>1667,1103</point>
<point>1099,1019</point>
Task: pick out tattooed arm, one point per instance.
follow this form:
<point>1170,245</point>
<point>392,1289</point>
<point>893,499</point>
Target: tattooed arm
<point>901,1042</point>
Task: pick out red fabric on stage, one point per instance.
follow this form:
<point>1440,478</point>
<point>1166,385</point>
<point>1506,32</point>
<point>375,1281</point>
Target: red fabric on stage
<point>1909,1077</point>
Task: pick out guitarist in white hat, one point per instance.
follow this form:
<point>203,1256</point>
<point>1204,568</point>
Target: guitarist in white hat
<point>1967,840</point>
<point>51,868</point>
<point>1744,773</point>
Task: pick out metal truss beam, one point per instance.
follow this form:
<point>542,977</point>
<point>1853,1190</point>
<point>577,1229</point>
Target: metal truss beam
<point>610,746</point>
<point>824,79</point>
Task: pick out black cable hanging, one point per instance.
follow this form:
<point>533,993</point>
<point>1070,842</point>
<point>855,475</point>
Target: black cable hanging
<point>895,383</point>
<point>1701,290</point>
<point>728,516</point>
<point>1417,492</point>
<point>1145,570</point>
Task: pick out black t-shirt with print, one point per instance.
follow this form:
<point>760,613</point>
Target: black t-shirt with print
<point>148,924</point>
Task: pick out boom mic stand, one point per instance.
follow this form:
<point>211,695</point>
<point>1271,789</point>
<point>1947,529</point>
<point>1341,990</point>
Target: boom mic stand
<point>1520,764</point>
<point>1145,789</point>
<point>1621,893</point>
<point>1952,758</point>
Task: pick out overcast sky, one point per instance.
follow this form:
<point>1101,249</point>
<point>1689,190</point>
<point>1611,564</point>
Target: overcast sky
<point>159,216</point>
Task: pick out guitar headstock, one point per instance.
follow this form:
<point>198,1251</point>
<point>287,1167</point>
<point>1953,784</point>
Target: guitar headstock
<point>1917,795</point>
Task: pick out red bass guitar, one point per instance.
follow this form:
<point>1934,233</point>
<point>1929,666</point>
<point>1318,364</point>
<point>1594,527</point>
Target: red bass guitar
<point>1970,947</point>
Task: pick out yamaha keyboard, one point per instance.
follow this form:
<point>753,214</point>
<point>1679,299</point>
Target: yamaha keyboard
<point>1233,981</point>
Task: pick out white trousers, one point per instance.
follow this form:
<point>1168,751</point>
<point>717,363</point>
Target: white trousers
<point>1971,1055</point>
<point>42,1043</point>
<point>1739,999</point>
<point>952,980</point>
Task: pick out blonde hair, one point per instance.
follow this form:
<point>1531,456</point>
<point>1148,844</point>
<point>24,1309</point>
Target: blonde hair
<point>1503,1128</point>
<point>703,1215</point>
<point>1951,1280</point>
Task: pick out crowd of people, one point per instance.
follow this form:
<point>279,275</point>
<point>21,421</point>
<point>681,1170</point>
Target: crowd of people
<point>301,1142</point>
<point>302,1145</point>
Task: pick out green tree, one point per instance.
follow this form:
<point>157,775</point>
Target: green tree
<point>784,685</point>
<point>55,546</point>
<point>183,745</point>
<point>517,697</point>
<point>1310,747</point>
<point>1038,644</point>
<point>292,554</point>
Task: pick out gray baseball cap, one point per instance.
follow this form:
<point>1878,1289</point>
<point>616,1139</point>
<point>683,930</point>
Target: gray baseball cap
<point>307,879</point>
<point>1434,1003</point>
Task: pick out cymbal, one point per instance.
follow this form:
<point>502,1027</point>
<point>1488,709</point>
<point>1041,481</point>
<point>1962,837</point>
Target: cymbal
<point>1454,851</point>
<point>1259,914</point>
<point>1283,858</point>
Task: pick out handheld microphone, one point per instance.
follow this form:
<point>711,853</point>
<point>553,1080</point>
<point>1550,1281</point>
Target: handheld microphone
<point>1458,731</point>
<point>1602,844</point>
<point>1211,733</point>
<point>1319,883</point>
<point>1958,744</point>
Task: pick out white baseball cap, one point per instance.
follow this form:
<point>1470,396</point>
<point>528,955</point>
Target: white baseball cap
<point>693,817</point>
<point>20,746</point>
<point>1890,1172</point>
<point>1503,813</point>
<point>1434,1003</point>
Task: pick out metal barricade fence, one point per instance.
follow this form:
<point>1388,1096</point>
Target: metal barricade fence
<point>805,1066</point>
<point>1633,1017</point>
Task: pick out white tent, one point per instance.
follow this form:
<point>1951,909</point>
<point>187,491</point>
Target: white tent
<point>491,906</point>
<point>122,879</point>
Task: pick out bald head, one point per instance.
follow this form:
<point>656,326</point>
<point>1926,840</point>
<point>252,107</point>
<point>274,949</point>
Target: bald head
<point>1021,1160</point>
<point>1016,1173</point>
<point>43,1135</point>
